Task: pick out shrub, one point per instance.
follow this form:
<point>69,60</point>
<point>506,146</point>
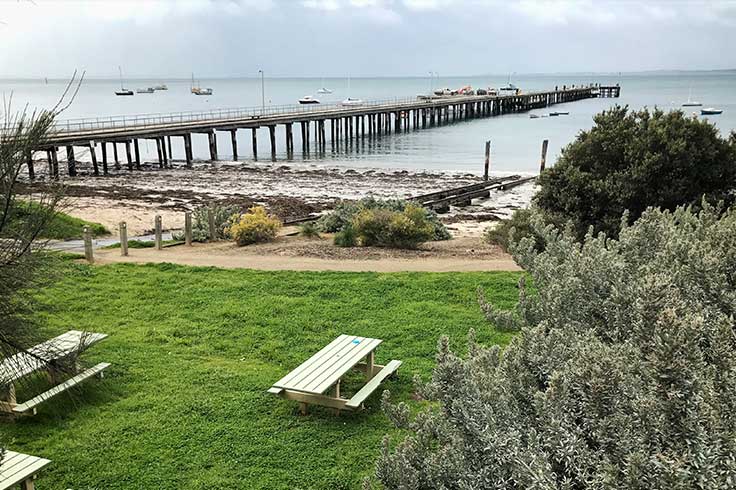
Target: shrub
<point>520,223</point>
<point>633,159</point>
<point>201,226</point>
<point>345,211</point>
<point>384,228</point>
<point>346,237</point>
<point>309,230</point>
<point>254,227</point>
<point>621,376</point>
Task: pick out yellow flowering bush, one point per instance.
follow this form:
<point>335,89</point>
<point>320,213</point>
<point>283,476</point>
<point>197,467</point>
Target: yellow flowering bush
<point>254,227</point>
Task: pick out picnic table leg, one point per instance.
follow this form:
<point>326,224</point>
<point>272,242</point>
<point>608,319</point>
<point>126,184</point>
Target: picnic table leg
<point>369,361</point>
<point>336,394</point>
<point>303,408</point>
<point>27,484</point>
<point>9,395</point>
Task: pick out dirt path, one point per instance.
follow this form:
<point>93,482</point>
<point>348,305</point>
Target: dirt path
<point>460,255</point>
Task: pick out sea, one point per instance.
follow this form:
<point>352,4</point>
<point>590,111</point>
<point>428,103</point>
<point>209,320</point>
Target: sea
<point>457,147</point>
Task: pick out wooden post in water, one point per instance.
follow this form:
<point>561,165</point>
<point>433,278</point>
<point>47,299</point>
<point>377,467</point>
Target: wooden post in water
<point>272,137</point>
<point>160,155</point>
<point>488,160</point>
<point>123,228</point>
<point>87,235</point>
<point>255,143</point>
<point>234,143</point>
<point>188,149</point>
<point>115,155</point>
<point>211,224</point>
<point>104,158</point>
<point>54,163</point>
<point>129,156</point>
<point>71,163</point>
<point>212,138</point>
<point>157,232</point>
<point>164,153</point>
<point>188,228</point>
<point>93,155</point>
<point>31,170</point>
<point>543,162</point>
<point>168,141</point>
<point>138,154</point>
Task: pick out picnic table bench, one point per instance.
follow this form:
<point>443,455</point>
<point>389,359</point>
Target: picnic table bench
<point>308,383</point>
<point>20,469</point>
<point>45,356</point>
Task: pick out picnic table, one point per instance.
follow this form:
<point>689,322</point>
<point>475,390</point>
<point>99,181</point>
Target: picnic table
<point>323,371</point>
<point>45,356</point>
<point>20,469</point>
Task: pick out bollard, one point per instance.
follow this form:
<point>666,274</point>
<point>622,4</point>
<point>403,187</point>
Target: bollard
<point>544,156</point>
<point>488,159</point>
<point>157,232</point>
<point>188,228</point>
<point>87,234</point>
<point>123,227</point>
<point>211,223</point>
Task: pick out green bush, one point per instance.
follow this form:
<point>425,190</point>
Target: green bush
<point>253,227</point>
<point>61,227</point>
<point>201,226</point>
<point>385,228</point>
<point>309,230</point>
<point>630,160</point>
<point>345,211</point>
<point>521,224</point>
<point>346,237</point>
<point>621,375</point>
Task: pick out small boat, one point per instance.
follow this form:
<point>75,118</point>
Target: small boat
<point>123,90</point>
<point>197,90</point>
<point>690,102</point>
<point>148,90</point>
<point>352,102</point>
<point>163,86</point>
<point>710,111</point>
<point>323,89</point>
<point>559,113</point>
<point>308,99</point>
<point>533,116</point>
<point>510,87</point>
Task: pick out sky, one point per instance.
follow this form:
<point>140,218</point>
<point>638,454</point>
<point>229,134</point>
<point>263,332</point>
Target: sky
<point>324,38</point>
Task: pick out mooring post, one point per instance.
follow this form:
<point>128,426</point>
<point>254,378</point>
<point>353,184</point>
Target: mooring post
<point>188,228</point>
<point>164,153</point>
<point>488,160</point>
<point>128,155</point>
<point>212,137</point>
<point>31,170</point>
<point>211,224</point>
<point>115,154</point>
<point>93,155</point>
<point>87,235</point>
<point>138,154</point>
<point>234,143</point>
<point>272,137</point>
<point>123,229</point>
<point>157,232</point>
<point>255,143</point>
<point>543,162</point>
<point>168,141</point>
<point>188,149</point>
<point>158,150</point>
<point>71,163</point>
<point>104,158</point>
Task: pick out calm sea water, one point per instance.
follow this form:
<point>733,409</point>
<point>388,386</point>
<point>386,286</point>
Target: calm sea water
<point>516,139</point>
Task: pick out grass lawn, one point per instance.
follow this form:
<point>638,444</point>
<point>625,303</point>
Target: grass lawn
<point>61,227</point>
<point>193,351</point>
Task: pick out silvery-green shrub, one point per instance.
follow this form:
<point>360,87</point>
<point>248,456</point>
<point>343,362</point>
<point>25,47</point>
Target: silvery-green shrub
<point>622,375</point>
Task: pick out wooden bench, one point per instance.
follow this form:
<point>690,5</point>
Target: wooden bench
<point>43,357</point>
<point>323,371</point>
<point>20,469</point>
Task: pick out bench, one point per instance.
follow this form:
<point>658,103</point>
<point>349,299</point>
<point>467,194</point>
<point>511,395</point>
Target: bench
<point>20,469</point>
<point>358,398</point>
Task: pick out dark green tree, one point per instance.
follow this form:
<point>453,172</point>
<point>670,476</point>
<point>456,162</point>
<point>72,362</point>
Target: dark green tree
<point>630,160</point>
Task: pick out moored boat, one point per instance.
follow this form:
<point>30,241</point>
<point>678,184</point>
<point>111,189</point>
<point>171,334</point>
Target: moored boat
<point>710,111</point>
<point>690,102</point>
<point>163,86</point>
<point>559,113</point>
<point>352,102</point>
<point>308,99</point>
<point>148,90</point>
<point>123,90</point>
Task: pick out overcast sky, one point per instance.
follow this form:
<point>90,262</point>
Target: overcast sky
<point>222,38</point>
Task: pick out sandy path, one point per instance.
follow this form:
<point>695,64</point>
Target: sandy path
<point>228,256</point>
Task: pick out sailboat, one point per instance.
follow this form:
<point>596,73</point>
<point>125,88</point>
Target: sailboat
<point>690,102</point>
<point>710,111</point>
<point>197,90</point>
<point>123,90</point>
<point>509,87</point>
<point>324,90</point>
<point>350,101</point>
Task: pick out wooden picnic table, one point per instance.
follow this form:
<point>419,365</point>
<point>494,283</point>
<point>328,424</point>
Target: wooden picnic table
<point>20,469</point>
<point>308,383</point>
<point>43,357</point>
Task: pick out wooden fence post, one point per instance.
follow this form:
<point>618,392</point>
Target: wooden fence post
<point>488,160</point>
<point>157,224</point>
<point>123,227</point>
<point>211,223</point>
<point>188,228</point>
<point>544,156</point>
<point>87,234</point>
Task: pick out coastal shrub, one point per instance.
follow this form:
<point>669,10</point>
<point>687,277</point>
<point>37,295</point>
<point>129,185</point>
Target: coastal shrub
<point>345,211</point>
<point>385,228</point>
<point>309,230</point>
<point>346,237</point>
<point>630,160</point>
<point>621,375</point>
<point>200,223</point>
<point>254,227</point>
<point>519,224</point>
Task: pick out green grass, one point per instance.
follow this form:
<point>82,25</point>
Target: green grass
<point>193,351</point>
<point>62,227</point>
<point>143,244</point>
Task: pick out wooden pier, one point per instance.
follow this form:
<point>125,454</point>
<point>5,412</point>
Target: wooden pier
<point>370,120</point>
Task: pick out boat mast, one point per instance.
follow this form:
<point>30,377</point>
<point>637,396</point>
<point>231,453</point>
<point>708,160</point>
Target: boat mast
<point>120,71</point>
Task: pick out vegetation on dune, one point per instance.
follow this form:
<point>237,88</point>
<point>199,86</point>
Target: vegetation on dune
<point>622,375</point>
<point>200,223</point>
<point>255,226</point>
<point>60,226</point>
<point>193,351</point>
<point>521,224</point>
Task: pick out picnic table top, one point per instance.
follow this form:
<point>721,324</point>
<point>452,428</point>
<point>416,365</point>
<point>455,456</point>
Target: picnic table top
<point>18,467</point>
<point>326,367</point>
<point>22,364</point>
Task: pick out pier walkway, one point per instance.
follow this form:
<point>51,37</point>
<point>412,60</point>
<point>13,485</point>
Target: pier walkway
<point>371,119</point>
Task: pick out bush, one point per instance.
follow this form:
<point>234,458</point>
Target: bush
<point>345,212</point>
<point>309,230</point>
<point>633,159</point>
<point>384,228</point>
<point>201,226</point>
<point>346,237</point>
<point>254,227</point>
<point>622,375</point>
<point>521,225</point>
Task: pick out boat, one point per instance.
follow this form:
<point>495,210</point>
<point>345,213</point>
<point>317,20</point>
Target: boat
<point>163,86</point>
<point>352,102</point>
<point>533,116</point>
<point>710,111</point>
<point>481,91</point>
<point>323,89</point>
<point>197,90</point>
<point>148,90</point>
<point>308,99</point>
<point>690,102</point>
<point>123,90</point>
<point>559,113</point>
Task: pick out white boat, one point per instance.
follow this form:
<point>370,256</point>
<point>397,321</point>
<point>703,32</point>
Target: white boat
<point>690,102</point>
<point>352,102</point>
<point>148,90</point>
<point>710,111</point>
<point>123,90</point>
<point>308,99</point>
<point>197,90</point>
<point>163,86</point>
<point>323,89</point>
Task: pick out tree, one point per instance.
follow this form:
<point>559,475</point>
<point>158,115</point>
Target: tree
<point>622,375</point>
<point>630,160</point>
